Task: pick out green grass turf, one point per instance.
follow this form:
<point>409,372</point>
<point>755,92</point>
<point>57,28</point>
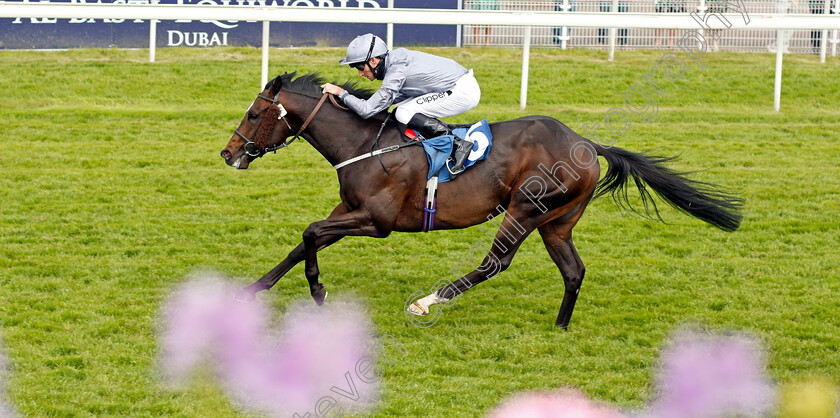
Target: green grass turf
<point>113,192</point>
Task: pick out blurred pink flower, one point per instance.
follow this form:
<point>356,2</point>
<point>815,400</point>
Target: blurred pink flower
<point>713,376</point>
<point>5,410</point>
<point>566,404</point>
<point>275,372</point>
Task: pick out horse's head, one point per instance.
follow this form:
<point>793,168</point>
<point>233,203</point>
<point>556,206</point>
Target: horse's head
<point>264,128</point>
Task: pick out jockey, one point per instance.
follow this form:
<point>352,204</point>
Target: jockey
<point>424,86</point>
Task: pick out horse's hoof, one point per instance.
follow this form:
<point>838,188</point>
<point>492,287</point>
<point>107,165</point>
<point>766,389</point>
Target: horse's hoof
<point>417,309</point>
<point>245,295</point>
<point>320,296</point>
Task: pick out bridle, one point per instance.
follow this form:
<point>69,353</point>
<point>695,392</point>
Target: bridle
<point>251,148</point>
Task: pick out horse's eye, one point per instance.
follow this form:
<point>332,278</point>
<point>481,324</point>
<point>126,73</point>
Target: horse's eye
<point>253,116</point>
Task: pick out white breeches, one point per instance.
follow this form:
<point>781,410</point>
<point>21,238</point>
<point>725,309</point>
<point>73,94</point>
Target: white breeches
<point>461,98</point>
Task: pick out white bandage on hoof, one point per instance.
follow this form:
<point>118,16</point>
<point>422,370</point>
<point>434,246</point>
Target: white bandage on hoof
<point>429,301</point>
<point>417,309</point>
<point>421,306</point>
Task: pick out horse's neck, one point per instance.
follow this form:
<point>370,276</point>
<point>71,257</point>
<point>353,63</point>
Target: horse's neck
<point>339,136</point>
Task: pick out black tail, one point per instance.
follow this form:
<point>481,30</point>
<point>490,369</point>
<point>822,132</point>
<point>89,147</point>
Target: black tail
<point>701,200</point>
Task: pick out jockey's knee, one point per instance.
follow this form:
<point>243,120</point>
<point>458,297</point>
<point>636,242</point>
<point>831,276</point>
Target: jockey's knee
<point>404,115</point>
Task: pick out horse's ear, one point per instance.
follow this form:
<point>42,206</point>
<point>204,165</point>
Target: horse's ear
<point>274,86</point>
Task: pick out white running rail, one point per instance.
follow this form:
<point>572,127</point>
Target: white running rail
<point>525,19</point>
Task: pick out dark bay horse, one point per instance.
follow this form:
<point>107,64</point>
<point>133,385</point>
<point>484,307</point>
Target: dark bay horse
<point>540,174</point>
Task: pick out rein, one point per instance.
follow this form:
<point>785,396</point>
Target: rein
<point>254,150</point>
<point>251,146</point>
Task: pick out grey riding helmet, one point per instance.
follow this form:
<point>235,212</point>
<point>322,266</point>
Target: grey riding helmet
<point>363,48</point>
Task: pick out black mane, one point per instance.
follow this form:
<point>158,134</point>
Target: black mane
<point>310,84</point>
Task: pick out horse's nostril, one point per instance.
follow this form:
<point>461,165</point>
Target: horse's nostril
<point>226,154</point>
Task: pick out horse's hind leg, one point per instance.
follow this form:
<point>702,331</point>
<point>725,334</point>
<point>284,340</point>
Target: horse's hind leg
<point>557,237</point>
<point>512,233</point>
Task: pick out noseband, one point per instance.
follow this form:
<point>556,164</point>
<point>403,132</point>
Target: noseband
<point>251,148</point>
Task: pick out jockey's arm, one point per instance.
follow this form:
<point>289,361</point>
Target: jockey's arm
<point>379,101</point>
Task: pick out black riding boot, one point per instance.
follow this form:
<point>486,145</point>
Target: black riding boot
<point>428,127</point>
<point>459,156</point>
<point>432,128</point>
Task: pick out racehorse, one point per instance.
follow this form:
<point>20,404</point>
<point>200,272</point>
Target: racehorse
<point>539,172</point>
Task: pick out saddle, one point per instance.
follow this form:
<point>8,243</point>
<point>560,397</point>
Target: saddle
<point>438,151</point>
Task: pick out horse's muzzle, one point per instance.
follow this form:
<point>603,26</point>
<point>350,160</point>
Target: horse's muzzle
<point>240,163</point>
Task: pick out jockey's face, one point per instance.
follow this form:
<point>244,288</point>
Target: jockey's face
<point>367,71</point>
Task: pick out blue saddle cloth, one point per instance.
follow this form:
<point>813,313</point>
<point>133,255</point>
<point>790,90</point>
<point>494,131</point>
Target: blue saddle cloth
<point>439,149</point>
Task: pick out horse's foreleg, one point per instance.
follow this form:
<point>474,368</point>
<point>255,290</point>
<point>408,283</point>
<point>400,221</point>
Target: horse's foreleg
<point>272,277</point>
<point>557,237</point>
<point>357,223</point>
<point>295,256</point>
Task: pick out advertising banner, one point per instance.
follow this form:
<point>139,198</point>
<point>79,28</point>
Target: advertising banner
<point>47,33</point>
